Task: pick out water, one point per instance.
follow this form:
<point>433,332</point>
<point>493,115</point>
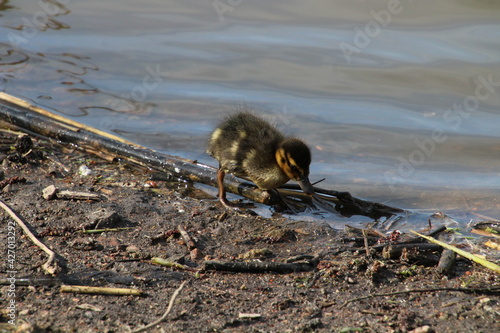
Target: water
<point>400,103</point>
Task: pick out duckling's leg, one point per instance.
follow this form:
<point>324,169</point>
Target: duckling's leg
<point>222,195</point>
<point>222,191</point>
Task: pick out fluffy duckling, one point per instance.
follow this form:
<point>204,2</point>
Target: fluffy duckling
<point>251,148</point>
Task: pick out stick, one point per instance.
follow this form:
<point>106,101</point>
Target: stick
<point>51,266</point>
<point>69,122</point>
<point>431,233</point>
<point>42,121</point>
<point>187,239</point>
<point>98,231</point>
<point>465,290</point>
<point>365,241</point>
<point>17,112</point>
<point>100,290</point>
<point>488,264</point>
<point>191,245</point>
<point>393,251</point>
<point>78,195</point>
<point>51,192</point>
<point>169,308</point>
<point>12,180</point>
<point>259,267</point>
<point>413,239</point>
<point>484,233</point>
<point>170,263</point>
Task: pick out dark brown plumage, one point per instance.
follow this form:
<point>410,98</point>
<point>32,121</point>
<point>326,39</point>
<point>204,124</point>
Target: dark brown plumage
<point>249,147</point>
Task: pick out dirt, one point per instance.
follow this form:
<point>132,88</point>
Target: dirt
<point>142,218</point>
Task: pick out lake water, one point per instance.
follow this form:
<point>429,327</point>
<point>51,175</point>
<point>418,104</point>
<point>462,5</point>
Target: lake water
<point>399,100</point>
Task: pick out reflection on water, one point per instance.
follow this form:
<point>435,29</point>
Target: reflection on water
<point>399,105</point>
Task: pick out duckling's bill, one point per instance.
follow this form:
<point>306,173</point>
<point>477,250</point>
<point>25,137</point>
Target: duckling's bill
<point>306,185</point>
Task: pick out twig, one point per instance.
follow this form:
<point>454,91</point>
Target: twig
<point>187,239</point>
<point>55,160</point>
<point>432,232</point>
<point>365,240</point>
<point>314,278</point>
<point>249,315</point>
<point>259,266</point>
<point>12,180</point>
<point>369,232</point>
<point>51,266</point>
<point>191,245</point>
<point>31,281</point>
<point>42,121</point>
<point>484,233</point>
<point>393,251</point>
<point>68,122</point>
<point>170,263</point>
<point>78,195</point>
<point>465,290</point>
<point>488,264</point>
<point>169,308</point>
<point>51,192</point>
<point>100,290</point>
<point>98,231</point>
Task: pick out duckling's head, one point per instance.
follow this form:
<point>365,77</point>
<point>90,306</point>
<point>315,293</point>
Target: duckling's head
<point>294,158</point>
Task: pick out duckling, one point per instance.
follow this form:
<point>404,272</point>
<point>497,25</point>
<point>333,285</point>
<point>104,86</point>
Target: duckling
<point>251,148</point>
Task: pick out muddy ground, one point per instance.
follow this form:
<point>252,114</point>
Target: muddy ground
<point>211,301</point>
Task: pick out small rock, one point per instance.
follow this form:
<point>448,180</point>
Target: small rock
<point>109,242</point>
<point>249,315</point>
<point>282,235</point>
<point>24,312</point>
<point>135,255</point>
<point>90,307</point>
<point>423,329</point>
<point>49,192</point>
<point>283,303</point>
<point>85,244</point>
<point>84,170</point>
<point>492,309</point>
<point>132,249</point>
<point>485,300</point>
<point>195,254</point>
<point>102,218</point>
<point>350,280</point>
<point>311,326</point>
<point>7,188</point>
<point>256,253</point>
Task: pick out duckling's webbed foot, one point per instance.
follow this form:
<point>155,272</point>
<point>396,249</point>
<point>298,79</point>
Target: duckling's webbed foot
<point>222,194</point>
<point>231,205</point>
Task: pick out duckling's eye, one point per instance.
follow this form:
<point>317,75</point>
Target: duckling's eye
<point>294,168</point>
<point>283,160</point>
